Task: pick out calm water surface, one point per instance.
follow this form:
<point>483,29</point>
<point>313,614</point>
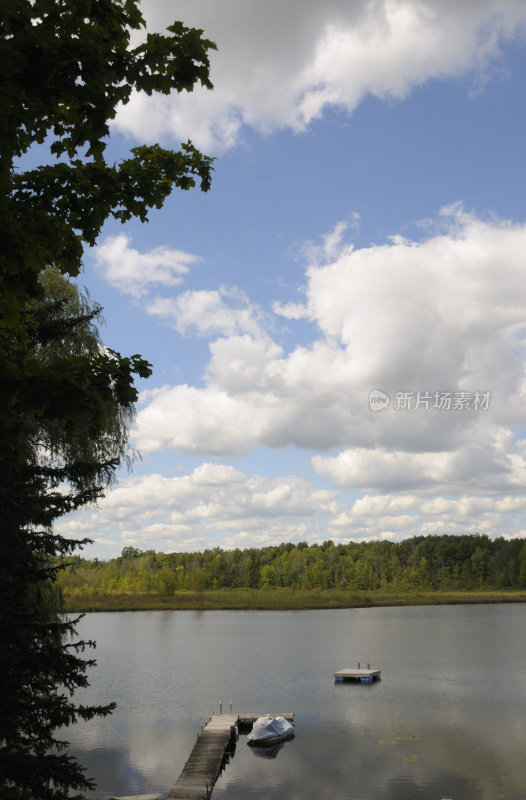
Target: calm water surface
<point>447,720</point>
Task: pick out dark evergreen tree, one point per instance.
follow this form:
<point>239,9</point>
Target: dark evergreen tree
<point>64,403</point>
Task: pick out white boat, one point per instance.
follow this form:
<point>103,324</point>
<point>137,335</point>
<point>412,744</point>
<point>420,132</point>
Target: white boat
<point>270,730</point>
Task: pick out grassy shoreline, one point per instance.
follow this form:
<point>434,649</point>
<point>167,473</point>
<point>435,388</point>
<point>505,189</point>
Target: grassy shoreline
<point>285,599</point>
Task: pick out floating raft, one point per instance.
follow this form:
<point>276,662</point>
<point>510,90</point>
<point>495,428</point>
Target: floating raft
<point>361,675</point>
<point>210,754</point>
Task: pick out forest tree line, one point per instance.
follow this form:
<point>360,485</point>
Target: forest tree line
<point>423,562</point>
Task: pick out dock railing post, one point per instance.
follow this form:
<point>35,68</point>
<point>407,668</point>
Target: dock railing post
<point>231,706</point>
<point>220,706</point>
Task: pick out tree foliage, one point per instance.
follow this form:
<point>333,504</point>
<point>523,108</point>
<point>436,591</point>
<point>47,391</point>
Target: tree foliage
<point>65,66</point>
<point>67,329</point>
<point>420,563</point>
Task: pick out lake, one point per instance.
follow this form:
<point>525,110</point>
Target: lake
<point>447,719</point>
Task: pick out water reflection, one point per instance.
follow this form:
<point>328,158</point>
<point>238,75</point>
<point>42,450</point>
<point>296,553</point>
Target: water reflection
<point>343,766</point>
<point>447,719</point>
<point>267,752</point>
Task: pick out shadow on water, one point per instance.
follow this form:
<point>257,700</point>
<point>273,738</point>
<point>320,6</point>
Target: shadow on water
<point>267,752</point>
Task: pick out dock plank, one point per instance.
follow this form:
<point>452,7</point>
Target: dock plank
<point>203,765</point>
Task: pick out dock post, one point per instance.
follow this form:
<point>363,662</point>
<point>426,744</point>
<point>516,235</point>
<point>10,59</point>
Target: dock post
<point>220,706</point>
<point>231,706</point>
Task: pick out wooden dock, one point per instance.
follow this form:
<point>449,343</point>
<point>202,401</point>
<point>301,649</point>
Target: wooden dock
<point>361,675</point>
<point>210,754</point>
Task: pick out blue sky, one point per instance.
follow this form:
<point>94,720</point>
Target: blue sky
<point>365,230</point>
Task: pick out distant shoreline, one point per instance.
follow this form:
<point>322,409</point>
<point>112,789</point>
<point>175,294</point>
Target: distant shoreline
<point>284,600</point>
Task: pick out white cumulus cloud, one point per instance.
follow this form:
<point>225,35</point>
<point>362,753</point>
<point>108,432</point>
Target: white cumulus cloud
<point>441,316</point>
<point>133,272</point>
<point>397,517</point>
<point>189,512</point>
<point>283,64</point>
<point>226,311</point>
